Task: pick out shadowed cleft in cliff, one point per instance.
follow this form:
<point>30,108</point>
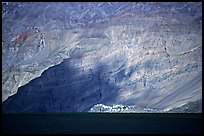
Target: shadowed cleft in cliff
<point>63,88</point>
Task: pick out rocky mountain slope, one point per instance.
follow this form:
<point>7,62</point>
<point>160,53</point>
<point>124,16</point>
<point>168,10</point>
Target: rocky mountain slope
<point>138,54</point>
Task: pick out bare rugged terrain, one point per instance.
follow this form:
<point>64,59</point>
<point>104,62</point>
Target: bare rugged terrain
<point>69,57</point>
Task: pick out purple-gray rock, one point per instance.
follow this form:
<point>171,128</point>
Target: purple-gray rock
<point>61,57</point>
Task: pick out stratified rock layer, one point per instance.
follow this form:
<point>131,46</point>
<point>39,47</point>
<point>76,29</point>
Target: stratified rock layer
<point>147,59</point>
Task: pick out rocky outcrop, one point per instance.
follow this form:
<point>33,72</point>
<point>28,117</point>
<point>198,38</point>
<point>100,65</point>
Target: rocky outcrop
<point>191,107</point>
<point>151,59</point>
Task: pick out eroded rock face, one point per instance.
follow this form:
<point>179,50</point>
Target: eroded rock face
<point>145,57</point>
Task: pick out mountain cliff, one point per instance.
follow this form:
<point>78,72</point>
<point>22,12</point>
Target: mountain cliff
<point>146,55</point>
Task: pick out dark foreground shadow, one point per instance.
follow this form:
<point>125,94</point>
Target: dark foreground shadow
<point>102,123</point>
